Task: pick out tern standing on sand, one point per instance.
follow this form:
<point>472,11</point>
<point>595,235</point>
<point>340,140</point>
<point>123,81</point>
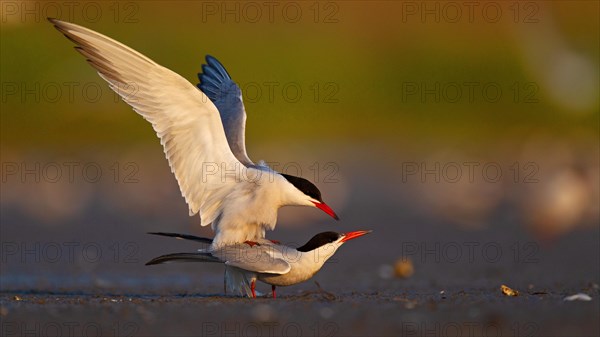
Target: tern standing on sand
<point>274,264</point>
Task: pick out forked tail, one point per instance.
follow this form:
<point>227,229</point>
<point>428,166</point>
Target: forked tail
<point>237,281</point>
<point>183,257</point>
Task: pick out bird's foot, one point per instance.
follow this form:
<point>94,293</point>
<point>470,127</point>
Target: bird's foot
<point>273,289</point>
<point>253,288</point>
<point>251,243</point>
<point>277,242</point>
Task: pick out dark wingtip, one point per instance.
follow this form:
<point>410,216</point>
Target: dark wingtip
<point>183,257</point>
<point>183,237</point>
<point>61,27</point>
<point>56,23</point>
<point>163,234</point>
<point>156,260</point>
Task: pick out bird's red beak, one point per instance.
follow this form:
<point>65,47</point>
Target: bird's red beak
<point>354,235</point>
<point>323,206</point>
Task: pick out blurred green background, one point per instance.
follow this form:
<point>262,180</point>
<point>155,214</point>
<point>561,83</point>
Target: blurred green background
<point>368,50</point>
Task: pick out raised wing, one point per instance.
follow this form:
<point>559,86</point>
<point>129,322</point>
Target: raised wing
<point>184,119</point>
<point>216,83</point>
<point>258,258</point>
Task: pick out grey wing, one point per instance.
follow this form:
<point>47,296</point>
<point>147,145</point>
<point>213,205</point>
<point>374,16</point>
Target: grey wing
<point>216,83</point>
<point>259,259</point>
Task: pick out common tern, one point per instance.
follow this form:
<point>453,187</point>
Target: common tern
<point>271,263</point>
<point>203,139</point>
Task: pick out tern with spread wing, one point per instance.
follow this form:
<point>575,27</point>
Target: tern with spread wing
<point>203,138</point>
<point>271,263</point>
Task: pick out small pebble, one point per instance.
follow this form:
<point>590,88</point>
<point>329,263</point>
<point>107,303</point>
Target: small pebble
<point>404,268</point>
<point>578,297</point>
<point>508,291</point>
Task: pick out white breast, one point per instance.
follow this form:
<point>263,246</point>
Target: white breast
<point>250,209</point>
<point>304,265</point>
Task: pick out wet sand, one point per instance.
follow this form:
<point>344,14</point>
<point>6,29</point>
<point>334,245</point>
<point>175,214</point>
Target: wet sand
<point>411,312</point>
<point>354,297</point>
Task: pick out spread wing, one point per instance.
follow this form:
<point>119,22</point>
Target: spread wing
<point>184,119</point>
<point>259,259</point>
<point>216,83</point>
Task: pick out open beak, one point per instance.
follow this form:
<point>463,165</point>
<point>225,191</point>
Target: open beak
<point>323,206</point>
<point>354,235</point>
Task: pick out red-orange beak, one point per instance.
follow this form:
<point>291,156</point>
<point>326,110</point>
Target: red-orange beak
<point>323,206</point>
<point>354,235</point>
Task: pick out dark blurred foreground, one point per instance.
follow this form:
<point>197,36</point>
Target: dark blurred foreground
<point>410,311</point>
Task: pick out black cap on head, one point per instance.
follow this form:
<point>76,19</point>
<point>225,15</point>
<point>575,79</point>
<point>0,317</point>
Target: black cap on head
<point>319,240</point>
<point>305,186</point>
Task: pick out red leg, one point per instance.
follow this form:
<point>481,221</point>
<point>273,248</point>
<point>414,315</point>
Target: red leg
<point>277,242</point>
<point>253,287</point>
<point>251,243</point>
<point>273,289</point>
